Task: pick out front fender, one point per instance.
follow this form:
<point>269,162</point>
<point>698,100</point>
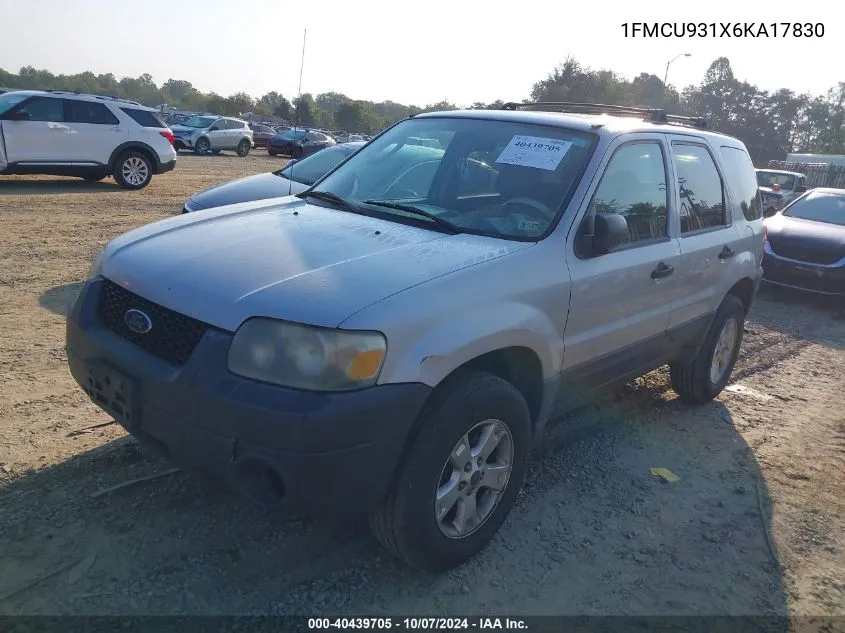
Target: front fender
<point>436,349</point>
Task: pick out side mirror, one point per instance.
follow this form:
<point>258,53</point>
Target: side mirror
<point>18,116</point>
<point>800,189</point>
<point>610,230</point>
<point>769,212</point>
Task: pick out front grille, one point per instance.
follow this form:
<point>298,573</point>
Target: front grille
<point>806,254</point>
<point>173,336</point>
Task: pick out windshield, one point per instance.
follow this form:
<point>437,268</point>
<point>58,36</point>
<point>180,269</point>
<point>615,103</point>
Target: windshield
<point>199,121</point>
<point>9,100</point>
<point>769,178</point>
<point>819,207</point>
<point>495,178</point>
<point>310,170</point>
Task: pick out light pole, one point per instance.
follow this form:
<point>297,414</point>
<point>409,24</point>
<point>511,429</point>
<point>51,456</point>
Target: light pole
<point>666,75</point>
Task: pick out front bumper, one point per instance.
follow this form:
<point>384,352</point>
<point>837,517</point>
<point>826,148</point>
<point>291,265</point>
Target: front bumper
<point>824,279</point>
<point>320,453</point>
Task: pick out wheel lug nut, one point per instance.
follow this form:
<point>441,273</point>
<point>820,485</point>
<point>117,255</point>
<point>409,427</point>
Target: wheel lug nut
<point>480,461</point>
<point>467,467</point>
<point>462,485</point>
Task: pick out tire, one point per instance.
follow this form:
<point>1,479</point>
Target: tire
<point>406,523</point>
<point>694,382</point>
<point>297,152</point>
<point>243,148</point>
<point>272,153</point>
<point>133,170</point>
<point>202,146</point>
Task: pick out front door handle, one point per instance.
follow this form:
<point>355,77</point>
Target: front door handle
<point>662,270</point>
<point>57,126</point>
<point>727,251</point>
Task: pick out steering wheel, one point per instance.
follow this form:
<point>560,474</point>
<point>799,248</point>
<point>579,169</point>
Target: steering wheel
<point>541,211</point>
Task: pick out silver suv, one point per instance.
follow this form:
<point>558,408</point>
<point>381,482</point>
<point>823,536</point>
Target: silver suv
<point>393,340</point>
<point>205,134</point>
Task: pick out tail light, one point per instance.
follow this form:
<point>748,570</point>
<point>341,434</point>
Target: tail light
<point>168,135</point>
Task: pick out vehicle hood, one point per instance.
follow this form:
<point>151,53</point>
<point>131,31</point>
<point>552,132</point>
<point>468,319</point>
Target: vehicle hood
<point>784,230</point>
<point>289,260</point>
<point>258,187</point>
<point>184,130</point>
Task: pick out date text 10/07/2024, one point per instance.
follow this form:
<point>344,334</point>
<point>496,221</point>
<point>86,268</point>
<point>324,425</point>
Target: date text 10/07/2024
<point>723,29</point>
<point>419,624</point>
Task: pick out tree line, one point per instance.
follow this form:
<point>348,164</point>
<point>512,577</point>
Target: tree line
<point>770,123</point>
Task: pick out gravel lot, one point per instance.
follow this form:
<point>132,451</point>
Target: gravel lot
<point>755,525</point>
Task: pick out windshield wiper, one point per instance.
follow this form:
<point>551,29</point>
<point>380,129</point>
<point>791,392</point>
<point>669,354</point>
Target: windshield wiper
<point>452,228</point>
<point>328,196</point>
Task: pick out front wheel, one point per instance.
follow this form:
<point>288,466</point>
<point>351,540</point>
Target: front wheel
<point>704,378</point>
<point>133,170</point>
<point>460,476</point>
<point>203,146</point>
<point>243,148</point>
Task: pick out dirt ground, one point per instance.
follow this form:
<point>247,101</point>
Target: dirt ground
<point>755,525</point>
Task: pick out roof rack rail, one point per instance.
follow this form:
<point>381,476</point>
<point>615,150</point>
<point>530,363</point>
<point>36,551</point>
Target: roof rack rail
<point>653,115</point>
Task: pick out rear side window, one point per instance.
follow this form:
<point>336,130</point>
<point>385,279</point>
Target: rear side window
<point>145,118</point>
<point>234,125</point>
<point>88,112</point>
<point>739,172</point>
<point>700,188</point>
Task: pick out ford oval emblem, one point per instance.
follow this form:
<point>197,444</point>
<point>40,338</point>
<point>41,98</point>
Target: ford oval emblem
<point>137,321</point>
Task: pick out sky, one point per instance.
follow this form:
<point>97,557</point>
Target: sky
<point>416,53</point>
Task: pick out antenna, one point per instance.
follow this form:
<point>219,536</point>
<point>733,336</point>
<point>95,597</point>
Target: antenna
<point>298,99</point>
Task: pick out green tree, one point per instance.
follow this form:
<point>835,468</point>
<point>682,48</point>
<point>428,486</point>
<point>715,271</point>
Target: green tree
<point>277,105</point>
<point>304,113</point>
<point>353,117</point>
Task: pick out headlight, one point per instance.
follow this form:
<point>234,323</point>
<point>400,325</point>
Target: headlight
<point>305,357</point>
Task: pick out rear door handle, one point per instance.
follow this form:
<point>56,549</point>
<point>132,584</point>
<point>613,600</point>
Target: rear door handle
<point>727,251</point>
<point>662,270</point>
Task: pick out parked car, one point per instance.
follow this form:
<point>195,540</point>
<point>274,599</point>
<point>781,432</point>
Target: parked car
<point>393,340</point>
<point>299,143</point>
<point>89,136</point>
<point>778,188</point>
<point>261,134</point>
<point>206,134</point>
<point>805,247</point>
<point>294,178</point>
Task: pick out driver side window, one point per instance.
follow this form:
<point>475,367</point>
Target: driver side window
<point>634,186</point>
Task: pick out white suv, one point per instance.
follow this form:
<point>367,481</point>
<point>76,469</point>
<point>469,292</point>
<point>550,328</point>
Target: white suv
<point>206,134</point>
<point>69,134</point>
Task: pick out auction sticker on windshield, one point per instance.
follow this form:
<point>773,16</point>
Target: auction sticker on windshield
<point>534,151</point>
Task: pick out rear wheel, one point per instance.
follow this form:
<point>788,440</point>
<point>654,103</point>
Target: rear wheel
<point>460,476</point>
<point>272,153</point>
<point>133,170</point>
<point>243,148</point>
<point>704,378</point>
